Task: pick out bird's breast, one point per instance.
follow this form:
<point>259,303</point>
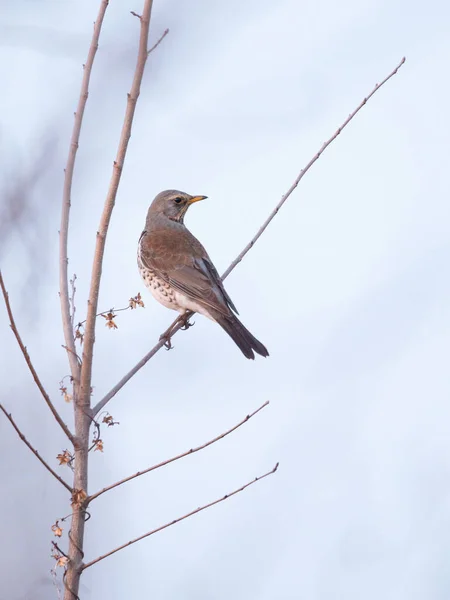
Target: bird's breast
<point>159,288</point>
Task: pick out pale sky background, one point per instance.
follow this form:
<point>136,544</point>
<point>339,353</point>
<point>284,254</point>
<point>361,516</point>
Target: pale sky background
<point>349,289</point>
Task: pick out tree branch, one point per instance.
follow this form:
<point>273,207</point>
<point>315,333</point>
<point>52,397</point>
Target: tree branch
<point>174,458</point>
<point>126,378</point>
<point>158,42</point>
<point>178,323</point>
<point>190,514</point>
<point>66,201</point>
<point>35,452</point>
<point>303,172</point>
<point>82,401</point>
<point>86,369</point>
<point>30,364</point>
<point>72,306</point>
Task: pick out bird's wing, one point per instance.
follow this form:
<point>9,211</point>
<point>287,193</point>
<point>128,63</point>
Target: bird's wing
<point>214,275</point>
<point>184,264</point>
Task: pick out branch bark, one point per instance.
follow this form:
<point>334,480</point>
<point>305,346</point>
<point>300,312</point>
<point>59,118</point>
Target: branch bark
<point>33,372</point>
<point>89,337</point>
<point>177,324</point>
<point>178,456</point>
<point>33,450</point>
<point>82,399</point>
<point>158,42</point>
<point>66,202</point>
<point>190,514</point>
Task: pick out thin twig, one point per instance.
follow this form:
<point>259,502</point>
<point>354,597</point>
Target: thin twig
<point>135,300</point>
<point>69,350</point>
<point>264,226</point>
<point>30,364</point>
<point>55,582</point>
<point>190,514</point>
<point>104,401</point>
<point>158,42</point>
<point>58,549</point>
<point>72,307</point>
<point>178,323</point>
<point>174,458</point>
<point>86,369</point>
<point>33,450</point>
<point>67,190</point>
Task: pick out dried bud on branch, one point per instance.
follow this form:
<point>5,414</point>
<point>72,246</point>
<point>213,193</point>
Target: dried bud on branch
<point>57,530</point>
<point>110,316</point>
<point>65,457</point>
<point>136,301</point>
<point>109,420</point>
<point>78,497</point>
<point>98,445</point>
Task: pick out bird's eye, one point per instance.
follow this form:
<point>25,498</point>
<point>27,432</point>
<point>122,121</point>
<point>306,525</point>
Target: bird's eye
<point>178,200</point>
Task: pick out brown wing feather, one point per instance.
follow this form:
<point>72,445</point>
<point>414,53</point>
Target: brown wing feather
<point>181,261</point>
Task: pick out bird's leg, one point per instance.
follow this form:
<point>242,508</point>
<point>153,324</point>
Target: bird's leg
<point>185,319</point>
<point>167,336</point>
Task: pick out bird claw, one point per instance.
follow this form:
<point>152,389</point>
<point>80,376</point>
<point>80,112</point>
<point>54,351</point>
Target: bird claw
<point>167,335</point>
<point>167,340</point>
<point>187,324</point>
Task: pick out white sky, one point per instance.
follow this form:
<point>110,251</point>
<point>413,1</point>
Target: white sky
<point>348,289</point>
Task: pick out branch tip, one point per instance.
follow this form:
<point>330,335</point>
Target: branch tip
<point>179,519</point>
<point>158,42</point>
<point>30,365</point>
<point>178,456</point>
<point>33,450</point>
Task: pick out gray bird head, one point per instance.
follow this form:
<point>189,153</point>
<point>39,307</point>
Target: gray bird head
<point>173,204</point>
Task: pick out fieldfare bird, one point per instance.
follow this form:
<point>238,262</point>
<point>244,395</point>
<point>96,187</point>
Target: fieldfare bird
<point>179,273</point>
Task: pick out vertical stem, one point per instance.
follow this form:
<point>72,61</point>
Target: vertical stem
<point>80,402</point>
<point>89,336</point>
<point>80,482</point>
<point>68,177</point>
<point>82,388</point>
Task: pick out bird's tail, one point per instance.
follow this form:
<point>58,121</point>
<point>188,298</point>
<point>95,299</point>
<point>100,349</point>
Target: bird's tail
<point>242,337</point>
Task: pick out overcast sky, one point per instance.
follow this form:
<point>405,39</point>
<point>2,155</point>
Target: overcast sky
<point>349,289</point>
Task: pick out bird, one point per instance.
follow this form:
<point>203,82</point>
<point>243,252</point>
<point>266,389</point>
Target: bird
<point>178,272</point>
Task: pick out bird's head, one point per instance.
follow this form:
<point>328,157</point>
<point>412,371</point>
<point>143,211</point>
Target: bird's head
<point>173,204</point>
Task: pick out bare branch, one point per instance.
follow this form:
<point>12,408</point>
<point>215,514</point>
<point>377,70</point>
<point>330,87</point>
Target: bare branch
<point>174,458</point>
<point>158,42</point>
<point>82,401</point>
<point>178,323</point>
<point>264,226</point>
<point>30,364</point>
<point>72,306</point>
<point>86,369</point>
<point>66,201</point>
<point>104,401</point>
<point>33,450</point>
<point>190,514</point>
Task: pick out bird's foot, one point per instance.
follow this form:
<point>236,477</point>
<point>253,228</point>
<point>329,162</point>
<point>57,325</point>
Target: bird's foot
<point>168,344</point>
<point>186,322</point>
<point>167,337</point>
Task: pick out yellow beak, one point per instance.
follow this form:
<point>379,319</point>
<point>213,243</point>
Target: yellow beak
<point>196,199</point>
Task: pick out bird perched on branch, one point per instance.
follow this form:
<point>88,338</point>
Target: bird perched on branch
<point>179,273</point>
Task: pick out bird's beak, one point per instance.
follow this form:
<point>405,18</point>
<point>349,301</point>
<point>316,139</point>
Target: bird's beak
<point>196,199</point>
